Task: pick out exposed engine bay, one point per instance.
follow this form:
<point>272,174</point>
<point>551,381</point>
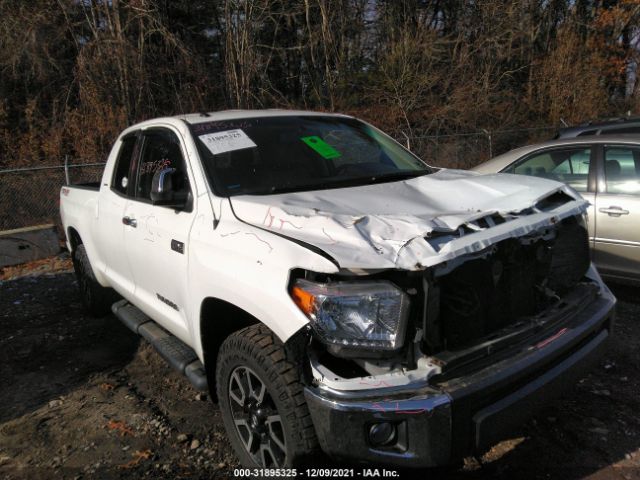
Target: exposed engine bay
<point>514,281</point>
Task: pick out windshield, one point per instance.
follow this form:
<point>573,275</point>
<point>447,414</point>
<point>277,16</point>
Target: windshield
<point>296,153</point>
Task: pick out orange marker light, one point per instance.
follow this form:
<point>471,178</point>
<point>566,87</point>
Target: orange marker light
<point>303,299</point>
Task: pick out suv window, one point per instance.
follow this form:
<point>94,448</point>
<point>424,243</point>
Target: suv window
<point>568,165</point>
<point>120,180</point>
<point>622,170</point>
<point>161,149</point>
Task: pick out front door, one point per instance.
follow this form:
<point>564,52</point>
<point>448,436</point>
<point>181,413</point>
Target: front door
<point>617,213</point>
<point>156,237</point>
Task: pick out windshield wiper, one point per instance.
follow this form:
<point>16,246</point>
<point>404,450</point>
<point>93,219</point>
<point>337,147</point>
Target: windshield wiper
<point>340,183</point>
<point>398,176</point>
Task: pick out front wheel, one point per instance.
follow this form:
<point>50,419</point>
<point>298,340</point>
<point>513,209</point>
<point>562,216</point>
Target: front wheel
<point>262,400</point>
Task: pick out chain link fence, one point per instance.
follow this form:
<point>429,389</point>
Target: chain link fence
<point>30,196</point>
<point>466,150</point>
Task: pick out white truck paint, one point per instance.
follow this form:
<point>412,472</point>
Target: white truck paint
<point>243,249</point>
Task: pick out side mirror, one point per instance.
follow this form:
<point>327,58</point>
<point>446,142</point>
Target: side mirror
<point>162,189</point>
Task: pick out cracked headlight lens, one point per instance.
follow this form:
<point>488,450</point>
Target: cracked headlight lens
<point>364,314</point>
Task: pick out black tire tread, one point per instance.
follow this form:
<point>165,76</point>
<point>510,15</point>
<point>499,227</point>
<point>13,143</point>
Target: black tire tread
<point>285,361</point>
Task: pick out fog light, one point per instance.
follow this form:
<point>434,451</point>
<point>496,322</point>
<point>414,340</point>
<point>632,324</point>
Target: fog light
<point>382,434</point>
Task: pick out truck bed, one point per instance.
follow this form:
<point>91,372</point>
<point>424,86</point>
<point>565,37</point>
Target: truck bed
<point>78,204</point>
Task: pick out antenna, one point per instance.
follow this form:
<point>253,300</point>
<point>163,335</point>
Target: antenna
<point>173,84</point>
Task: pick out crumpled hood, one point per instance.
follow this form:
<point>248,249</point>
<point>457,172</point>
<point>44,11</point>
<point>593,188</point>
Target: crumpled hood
<point>410,224</point>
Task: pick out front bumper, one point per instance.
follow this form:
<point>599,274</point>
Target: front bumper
<point>437,425</point>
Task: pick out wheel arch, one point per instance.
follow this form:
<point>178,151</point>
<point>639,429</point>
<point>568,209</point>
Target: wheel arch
<point>74,238</point>
<point>218,320</point>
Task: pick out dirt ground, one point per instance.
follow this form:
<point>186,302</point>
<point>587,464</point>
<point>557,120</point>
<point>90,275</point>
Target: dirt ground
<point>86,398</point>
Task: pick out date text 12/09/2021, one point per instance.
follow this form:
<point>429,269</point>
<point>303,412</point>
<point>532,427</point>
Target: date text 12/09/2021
<point>316,473</point>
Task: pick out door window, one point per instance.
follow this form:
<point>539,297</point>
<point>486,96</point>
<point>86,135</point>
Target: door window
<point>120,181</point>
<point>622,170</point>
<point>568,165</point>
<point>161,149</point>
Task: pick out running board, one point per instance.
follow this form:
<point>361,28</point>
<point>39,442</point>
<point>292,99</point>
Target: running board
<point>177,353</point>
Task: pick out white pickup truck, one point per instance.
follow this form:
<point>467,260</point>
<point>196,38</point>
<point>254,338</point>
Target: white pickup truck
<point>332,291</point>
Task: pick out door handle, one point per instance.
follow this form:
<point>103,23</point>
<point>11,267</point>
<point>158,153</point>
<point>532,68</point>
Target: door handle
<point>614,211</point>
<point>132,222</point>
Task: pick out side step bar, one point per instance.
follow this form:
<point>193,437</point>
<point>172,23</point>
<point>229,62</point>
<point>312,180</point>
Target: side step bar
<point>177,354</point>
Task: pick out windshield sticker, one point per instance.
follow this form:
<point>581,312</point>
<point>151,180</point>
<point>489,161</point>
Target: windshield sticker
<point>222,125</point>
<point>228,141</point>
<point>321,147</point>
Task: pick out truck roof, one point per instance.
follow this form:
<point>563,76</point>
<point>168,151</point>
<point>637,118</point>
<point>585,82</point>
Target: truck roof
<point>233,114</point>
<point>194,118</point>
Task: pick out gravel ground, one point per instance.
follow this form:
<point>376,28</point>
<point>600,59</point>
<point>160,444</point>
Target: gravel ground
<point>85,398</point>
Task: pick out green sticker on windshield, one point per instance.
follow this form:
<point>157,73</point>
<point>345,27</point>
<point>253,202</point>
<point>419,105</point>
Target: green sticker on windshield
<point>323,148</point>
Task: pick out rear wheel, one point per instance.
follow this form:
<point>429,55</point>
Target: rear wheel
<point>96,299</point>
<point>262,400</point>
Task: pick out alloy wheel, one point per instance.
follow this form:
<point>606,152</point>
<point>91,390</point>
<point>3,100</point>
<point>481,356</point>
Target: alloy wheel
<point>256,418</point>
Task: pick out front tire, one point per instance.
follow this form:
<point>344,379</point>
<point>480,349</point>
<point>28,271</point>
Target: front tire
<point>96,299</point>
<point>261,397</point>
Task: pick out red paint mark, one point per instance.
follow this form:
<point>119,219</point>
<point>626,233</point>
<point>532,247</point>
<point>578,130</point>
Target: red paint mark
<point>261,240</point>
<point>269,216</point>
<point>282,222</point>
<point>381,383</point>
<point>395,408</point>
<point>547,341</point>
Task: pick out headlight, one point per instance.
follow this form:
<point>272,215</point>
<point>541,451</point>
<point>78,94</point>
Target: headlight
<point>365,314</point>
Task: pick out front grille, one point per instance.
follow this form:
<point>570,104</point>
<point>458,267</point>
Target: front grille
<point>516,281</point>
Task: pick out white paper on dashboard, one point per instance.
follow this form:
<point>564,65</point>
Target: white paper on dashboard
<point>227,141</point>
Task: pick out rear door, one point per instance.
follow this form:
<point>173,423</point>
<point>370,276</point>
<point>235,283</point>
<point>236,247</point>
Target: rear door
<point>111,206</point>
<point>156,237</point>
<point>617,215</point>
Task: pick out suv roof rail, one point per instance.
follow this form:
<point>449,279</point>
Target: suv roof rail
<point>626,118</point>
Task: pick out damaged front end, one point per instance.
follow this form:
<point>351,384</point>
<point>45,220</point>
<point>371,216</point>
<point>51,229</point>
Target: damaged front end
<point>413,364</point>
<point>444,316</point>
